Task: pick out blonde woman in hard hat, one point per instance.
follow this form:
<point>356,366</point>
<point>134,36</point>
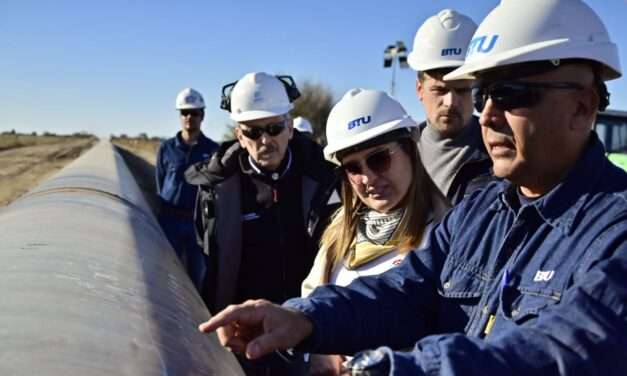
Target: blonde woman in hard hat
<point>389,201</point>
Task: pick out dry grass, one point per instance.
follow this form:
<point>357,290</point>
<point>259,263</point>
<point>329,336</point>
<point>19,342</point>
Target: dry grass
<point>138,145</point>
<point>11,141</point>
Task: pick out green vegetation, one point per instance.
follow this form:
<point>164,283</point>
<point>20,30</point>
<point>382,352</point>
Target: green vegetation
<point>611,126</point>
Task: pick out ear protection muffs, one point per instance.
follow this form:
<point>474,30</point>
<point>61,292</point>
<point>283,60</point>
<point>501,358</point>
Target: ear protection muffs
<point>288,82</point>
<point>290,87</point>
<point>225,100</point>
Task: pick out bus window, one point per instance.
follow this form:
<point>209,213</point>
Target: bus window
<point>612,131</point>
<point>619,136</point>
<point>601,129</point>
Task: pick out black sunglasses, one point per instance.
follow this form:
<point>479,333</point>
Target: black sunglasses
<point>378,162</point>
<point>509,95</point>
<point>271,129</point>
<point>192,113</point>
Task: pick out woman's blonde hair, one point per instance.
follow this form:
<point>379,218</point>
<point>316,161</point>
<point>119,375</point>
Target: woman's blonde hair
<point>338,237</point>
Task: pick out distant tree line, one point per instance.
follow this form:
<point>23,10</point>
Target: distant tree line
<point>140,136</point>
<point>81,134</point>
<point>315,104</point>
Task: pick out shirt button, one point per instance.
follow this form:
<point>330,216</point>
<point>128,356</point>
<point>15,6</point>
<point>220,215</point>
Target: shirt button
<point>447,284</point>
<point>485,310</point>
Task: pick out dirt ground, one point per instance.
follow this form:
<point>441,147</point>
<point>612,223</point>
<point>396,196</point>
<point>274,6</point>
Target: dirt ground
<point>24,167</point>
<point>27,161</point>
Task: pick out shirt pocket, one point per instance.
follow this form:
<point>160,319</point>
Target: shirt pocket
<point>460,289</point>
<point>175,168</point>
<point>175,174</point>
<point>523,303</point>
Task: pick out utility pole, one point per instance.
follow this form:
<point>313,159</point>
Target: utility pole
<point>393,53</point>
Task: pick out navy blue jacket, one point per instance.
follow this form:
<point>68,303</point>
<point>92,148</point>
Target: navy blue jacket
<point>499,291</point>
<point>224,232</point>
<point>173,158</point>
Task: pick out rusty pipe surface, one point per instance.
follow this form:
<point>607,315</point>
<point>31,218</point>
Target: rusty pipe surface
<point>91,286</point>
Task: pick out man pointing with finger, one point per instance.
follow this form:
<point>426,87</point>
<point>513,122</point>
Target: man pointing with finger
<point>524,277</point>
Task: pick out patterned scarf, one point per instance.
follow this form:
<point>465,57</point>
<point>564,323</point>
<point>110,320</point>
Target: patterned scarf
<point>374,236</point>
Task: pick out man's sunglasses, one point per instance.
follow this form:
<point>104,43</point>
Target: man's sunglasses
<point>510,95</point>
<point>192,113</point>
<point>271,129</point>
<point>378,162</point>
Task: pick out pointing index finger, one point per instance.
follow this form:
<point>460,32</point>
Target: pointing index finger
<point>246,314</point>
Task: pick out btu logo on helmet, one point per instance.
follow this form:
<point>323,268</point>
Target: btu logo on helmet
<point>359,121</point>
<point>477,45</point>
<point>451,51</point>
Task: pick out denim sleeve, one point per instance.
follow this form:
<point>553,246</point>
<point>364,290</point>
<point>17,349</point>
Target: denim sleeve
<point>159,170</point>
<point>393,309</point>
<point>584,335</point>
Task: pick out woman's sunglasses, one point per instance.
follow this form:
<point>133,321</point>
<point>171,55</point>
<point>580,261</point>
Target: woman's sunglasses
<point>256,132</point>
<point>509,95</point>
<point>378,162</point>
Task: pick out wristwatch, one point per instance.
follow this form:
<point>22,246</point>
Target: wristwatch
<point>369,363</point>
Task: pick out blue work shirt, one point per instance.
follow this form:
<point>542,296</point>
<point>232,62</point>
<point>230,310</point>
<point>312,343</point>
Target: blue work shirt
<point>500,290</point>
<point>173,158</point>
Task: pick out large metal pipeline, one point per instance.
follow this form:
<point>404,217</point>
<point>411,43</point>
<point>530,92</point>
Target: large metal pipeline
<point>89,285</point>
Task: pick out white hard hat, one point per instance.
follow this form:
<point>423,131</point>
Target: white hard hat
<point>258,95</point>
<point>362,115</point>
<point>441,41</point>
<point>303,125</point>
<point>189,99</point>
<point>539,30</point>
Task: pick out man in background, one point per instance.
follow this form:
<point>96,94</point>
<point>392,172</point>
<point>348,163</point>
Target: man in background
<point>177,197</point>
<point>263,203</point>
<point>450,141</point>
<point>303,126</point>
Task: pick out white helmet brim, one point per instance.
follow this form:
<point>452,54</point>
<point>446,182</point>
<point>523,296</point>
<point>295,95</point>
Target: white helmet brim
<point>330,151</point>
<point>261,114</point>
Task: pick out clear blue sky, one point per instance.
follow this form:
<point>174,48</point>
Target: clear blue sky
<point>116,66</point>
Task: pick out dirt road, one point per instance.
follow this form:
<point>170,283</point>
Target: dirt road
<point>23,168</point>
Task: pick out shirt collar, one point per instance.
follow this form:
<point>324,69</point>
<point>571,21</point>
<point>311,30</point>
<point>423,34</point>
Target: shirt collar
<point>560,206</point>
<point>286,163</point>
<point>182,145</point>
